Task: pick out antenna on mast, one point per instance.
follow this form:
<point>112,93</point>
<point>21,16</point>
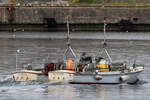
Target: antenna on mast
<point>68,32</point>
<point>104,31</point>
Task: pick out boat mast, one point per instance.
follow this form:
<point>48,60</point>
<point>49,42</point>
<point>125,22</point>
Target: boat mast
<point>104,42</point>
<point>104,31</point>
<point>68,42</point>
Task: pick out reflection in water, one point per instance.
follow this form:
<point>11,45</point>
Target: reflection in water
<point>74,92</point>
<point>60,92</point>
<point>100,92</point>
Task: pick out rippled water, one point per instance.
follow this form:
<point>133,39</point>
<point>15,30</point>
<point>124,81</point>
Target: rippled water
<point>38,48</point>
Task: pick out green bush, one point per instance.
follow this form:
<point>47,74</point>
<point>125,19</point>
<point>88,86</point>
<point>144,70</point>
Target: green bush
<point>112,2</point>
<point>85,1</point>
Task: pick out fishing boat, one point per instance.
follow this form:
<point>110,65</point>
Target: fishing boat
<point>86,70</point>
<point>94,70</point>
<point>28,73</point>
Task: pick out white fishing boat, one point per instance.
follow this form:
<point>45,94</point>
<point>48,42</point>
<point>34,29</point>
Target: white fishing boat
<point>26,75</point>
<point>92,70</point>
<point>29,74</point>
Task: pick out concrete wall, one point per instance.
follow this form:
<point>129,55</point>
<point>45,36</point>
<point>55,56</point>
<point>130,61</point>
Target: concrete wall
<point>77,15</point>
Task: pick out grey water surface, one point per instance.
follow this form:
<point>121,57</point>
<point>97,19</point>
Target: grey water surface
<point>38,48</point>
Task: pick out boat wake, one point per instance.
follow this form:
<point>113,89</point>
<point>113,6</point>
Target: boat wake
<point>5,79</point>
<point>144,83</point>
<point>141,82</point>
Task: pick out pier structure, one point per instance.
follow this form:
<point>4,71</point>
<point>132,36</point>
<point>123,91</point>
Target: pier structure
<point>81,18</point>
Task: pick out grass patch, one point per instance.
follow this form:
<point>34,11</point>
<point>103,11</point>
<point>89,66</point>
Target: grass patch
<point>111,2</point>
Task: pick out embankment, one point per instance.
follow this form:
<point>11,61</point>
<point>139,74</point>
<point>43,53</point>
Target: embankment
<point>81,18</point>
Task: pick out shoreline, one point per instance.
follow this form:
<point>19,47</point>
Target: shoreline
<point>77,35</point>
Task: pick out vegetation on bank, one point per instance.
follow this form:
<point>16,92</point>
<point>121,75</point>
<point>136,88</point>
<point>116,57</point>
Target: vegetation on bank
<point>111,2</point>
<point>91,2</point>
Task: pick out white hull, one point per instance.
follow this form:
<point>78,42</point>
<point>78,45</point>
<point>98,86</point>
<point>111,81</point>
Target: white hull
<point>29,75</point>
<point>112,77</point>
<point>105,78</point>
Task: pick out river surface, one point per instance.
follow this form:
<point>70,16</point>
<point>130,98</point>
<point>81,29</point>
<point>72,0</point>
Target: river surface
<point>39,48</point>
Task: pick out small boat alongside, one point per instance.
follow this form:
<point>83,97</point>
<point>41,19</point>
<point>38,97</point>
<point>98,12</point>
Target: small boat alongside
<point>26,75</point>
<point>29,74</point>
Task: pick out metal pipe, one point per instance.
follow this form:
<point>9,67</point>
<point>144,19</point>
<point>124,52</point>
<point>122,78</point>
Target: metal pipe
<point>104,31</point>
<point>73,52</point>
<point>108,55</point>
